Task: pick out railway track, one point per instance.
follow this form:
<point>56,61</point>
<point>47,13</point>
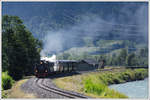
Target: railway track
<point>68,94</point>
<point>40,84</point>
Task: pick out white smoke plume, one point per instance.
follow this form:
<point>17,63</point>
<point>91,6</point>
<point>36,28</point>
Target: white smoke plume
<point>90,25</point>
<point>50,59</point>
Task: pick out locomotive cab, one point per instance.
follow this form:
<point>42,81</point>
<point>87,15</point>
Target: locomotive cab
<point>41,70</point>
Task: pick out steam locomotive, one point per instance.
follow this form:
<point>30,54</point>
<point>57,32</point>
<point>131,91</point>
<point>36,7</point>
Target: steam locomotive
<point>46,68</point>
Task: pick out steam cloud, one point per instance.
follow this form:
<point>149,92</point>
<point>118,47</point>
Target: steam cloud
<point>91,25</point>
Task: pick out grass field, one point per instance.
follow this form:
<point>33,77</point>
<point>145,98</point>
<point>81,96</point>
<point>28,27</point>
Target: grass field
<point>95,84</point>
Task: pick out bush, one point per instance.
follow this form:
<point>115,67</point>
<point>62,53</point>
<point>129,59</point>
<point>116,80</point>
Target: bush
<point>141,73</point>
<point>7,81</point>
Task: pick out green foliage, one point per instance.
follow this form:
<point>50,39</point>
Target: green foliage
<point>129,59</point>
<point>20,50</point>
<point>120,77</point>
<point>4,95</point>
<point>7,81</point>
<point>91,84</point>
<point>114,52</point>
<point>132,60</point>
<point>96,86</point>
<point>122,57</point>
<point>144,52</point>
<point>141,73</point>
<point>5,63</point>
<point>143,57</point>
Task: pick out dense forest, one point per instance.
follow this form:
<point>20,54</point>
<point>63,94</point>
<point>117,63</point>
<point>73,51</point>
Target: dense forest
<point>20,50</point>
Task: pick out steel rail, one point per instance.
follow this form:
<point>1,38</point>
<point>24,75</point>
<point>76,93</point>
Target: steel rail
<point>57,91</point>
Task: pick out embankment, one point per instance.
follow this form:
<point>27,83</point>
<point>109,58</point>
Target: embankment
<point>95,84</point>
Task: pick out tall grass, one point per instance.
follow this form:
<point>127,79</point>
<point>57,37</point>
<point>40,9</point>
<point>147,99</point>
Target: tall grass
<point>95,86</point>
<point>98,83</point>
<point>7,81</point>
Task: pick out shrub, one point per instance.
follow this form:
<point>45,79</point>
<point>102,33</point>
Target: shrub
<point>141,73</point>
<point>7,81</point>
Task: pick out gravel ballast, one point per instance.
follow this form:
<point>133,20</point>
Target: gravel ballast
<point>31,87</point>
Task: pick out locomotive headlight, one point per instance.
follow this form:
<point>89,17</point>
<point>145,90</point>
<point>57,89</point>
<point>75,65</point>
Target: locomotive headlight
<point>45,70</point>
<point>36,71</point>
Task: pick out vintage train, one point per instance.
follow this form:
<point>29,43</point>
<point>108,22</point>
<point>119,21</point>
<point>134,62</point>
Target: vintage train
<point>46,68</point>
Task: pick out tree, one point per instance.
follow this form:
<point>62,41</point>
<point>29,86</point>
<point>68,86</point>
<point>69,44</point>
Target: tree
<point>144,52</point>
<point>143,57</point>
<point>132,60</point>
<point>114,59</point>
<point>5,63</point>
<point>20,49</point>
<point>122,57</point>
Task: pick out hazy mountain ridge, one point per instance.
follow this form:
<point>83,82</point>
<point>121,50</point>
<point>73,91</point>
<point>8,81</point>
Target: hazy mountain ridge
<point>62,25</point>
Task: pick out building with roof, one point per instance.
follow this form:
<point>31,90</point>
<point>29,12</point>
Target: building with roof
<point>87,65</point>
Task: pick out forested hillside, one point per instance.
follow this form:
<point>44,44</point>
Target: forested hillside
<point>78,30</point>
